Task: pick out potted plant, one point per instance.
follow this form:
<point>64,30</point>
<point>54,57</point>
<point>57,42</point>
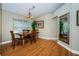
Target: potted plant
<point>34,25</point>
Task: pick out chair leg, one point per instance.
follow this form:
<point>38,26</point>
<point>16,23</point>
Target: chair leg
<point>13,45</point>
<point>31,41</point>
<point>18,42</point>
<point>26,40</point>
<point>34,40</point>
<point>21,42</point>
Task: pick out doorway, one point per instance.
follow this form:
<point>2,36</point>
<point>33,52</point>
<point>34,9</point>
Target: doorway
<point>56,27</point>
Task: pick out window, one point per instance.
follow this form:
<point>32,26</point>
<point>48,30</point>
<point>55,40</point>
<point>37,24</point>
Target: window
<point>19,25</point>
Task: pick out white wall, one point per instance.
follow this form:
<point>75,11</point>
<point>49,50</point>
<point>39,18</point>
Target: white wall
<point>49,25</point>
<point>49,30</point>
<point>0,23</point>
<point>74,30</point>
<point>66,8</point>
<point>7,24</point>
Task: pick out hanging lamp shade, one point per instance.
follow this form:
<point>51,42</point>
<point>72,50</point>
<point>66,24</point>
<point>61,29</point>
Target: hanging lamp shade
<point>29,15</point>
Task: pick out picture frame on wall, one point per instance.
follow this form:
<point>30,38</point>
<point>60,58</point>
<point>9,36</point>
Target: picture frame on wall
<point>64,28</point>
<point>40,24</point>
<point>78,18</point>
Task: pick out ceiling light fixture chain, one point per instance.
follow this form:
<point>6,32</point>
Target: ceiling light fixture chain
<point>29,14</point>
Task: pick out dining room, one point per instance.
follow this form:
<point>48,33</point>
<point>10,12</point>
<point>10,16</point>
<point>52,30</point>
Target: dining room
<point>19,17</point>
<point>34,29</point>
<point>23,28</point>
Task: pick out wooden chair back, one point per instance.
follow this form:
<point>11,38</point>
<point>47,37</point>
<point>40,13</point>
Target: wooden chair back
<point>25,32</point>
<point>33,33</point>
<point>12,35</point>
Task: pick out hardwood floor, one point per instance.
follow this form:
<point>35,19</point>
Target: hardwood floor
<point>41,48</point>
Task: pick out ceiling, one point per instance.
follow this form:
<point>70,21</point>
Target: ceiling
<point>23,8</point>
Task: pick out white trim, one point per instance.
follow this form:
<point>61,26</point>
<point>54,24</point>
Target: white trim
<point>71,50</point>
<point>5,42</point>
<point>48,38</point>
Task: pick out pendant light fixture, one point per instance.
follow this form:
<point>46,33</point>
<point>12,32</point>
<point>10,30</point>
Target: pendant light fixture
<point>29,16</point>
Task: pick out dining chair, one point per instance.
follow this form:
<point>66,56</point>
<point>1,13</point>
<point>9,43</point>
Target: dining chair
<point>37,34</point>
<point>15,40</point>
<point>27,36</point>
<point>33,36</point>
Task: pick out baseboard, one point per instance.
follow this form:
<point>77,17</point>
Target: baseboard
<point>5,42</point>
<point>71,50</point>
<point>48,38</point>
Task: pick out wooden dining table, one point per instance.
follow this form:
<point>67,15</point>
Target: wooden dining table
<point>21,36</point>
<point>27,35</point>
